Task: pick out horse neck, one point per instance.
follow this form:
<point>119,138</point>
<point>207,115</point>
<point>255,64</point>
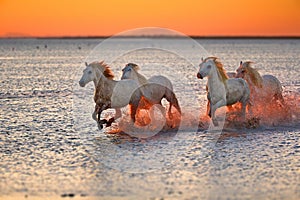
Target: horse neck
<point>140,79</point>
<point>251,85</point>
<point>104,88</point>
<point>98,75</point>
<point>214,81</point>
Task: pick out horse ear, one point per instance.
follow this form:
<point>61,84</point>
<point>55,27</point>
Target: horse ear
<point>241,62</point>
<point>86,64</point>
<point>202,59</point>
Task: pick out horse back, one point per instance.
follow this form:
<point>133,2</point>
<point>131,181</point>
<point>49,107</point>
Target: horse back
<point>157,88</point>
<point>271,83</point>
<point>125,92</point>
<point>236,90</point>
<point>161,80</point>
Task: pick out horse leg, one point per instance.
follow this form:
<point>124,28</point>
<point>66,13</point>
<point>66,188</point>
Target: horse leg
<point>171,98</point>
<point>208,110</point>
<point>133,112</point>
<point>100,122</point>
<point>99,115</point>
<point>94,115</point>
<point>214,107</point>
<point>249,107</point>
<point>176,104</point>
<point>170,111</point>
<point>244,104</point>
<point>118,113</point>
<point>117,116</point>
<point>134,105</point>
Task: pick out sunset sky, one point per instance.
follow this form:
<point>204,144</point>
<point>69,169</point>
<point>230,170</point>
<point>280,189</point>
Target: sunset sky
<point>105,18</point>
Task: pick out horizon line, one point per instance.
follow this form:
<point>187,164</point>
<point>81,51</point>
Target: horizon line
<point>159,36</point>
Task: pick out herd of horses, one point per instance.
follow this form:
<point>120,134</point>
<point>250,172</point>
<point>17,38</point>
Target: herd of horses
<point>246,86</point>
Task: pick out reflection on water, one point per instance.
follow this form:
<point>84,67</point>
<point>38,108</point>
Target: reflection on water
<point>42,155</point>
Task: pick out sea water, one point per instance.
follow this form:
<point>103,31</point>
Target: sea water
<point>51,147</point>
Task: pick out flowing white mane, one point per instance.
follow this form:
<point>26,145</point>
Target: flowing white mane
<point>252,73</point>
<point>221,71</point>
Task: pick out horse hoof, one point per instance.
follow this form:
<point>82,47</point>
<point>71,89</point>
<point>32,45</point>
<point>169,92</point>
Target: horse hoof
<point>100,127</point>
<point>100,123</point>
<point>109,122</point>
<point>103,121</point>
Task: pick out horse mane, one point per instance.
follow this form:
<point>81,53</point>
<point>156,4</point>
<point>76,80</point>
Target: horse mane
<point>221,71</point>
<point>253,74</point>
<point>133,66</point>
<point>104,68</point>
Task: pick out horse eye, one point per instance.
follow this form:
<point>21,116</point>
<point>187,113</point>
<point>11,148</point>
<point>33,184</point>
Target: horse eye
<point>90,72</point>
<point>208,66</point>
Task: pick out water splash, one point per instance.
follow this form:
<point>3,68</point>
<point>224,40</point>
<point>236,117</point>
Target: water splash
<point>268,114</point>
<point>261,115</point>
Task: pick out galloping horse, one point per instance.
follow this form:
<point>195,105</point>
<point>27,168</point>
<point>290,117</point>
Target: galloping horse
<point>223,91</point>
<point>154,89</point>
<point>92,72</point>
<point>264,88</point>
<point>110,93</point>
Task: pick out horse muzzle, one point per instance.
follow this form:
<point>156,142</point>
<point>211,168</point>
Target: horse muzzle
<point>199,76</point>
<point>81,83</point>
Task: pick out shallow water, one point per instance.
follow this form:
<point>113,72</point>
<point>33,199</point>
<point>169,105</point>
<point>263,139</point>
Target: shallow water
<point>49,149</point>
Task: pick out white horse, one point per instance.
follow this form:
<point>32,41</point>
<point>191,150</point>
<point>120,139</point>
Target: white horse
<point>92,72</point>
<point>223,91</point>
<point>208,111</point>
<point>154,89</point>
<point>110,93</point>
<point>264,89</point>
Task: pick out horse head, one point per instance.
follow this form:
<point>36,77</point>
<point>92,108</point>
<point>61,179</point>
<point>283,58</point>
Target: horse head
<point>240,71</point>
<point>205,67</point>
<point>247,72</point>
<point>89,74</point>
<point>128,71</point>
<point>94,71</point>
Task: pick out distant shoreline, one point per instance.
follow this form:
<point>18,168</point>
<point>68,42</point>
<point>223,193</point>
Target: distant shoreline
<point>158,36</point>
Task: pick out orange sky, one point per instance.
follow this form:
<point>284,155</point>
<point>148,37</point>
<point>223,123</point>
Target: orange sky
<point>104,18</point>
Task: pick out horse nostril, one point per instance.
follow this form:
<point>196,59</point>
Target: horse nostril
<point>199,75</point>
